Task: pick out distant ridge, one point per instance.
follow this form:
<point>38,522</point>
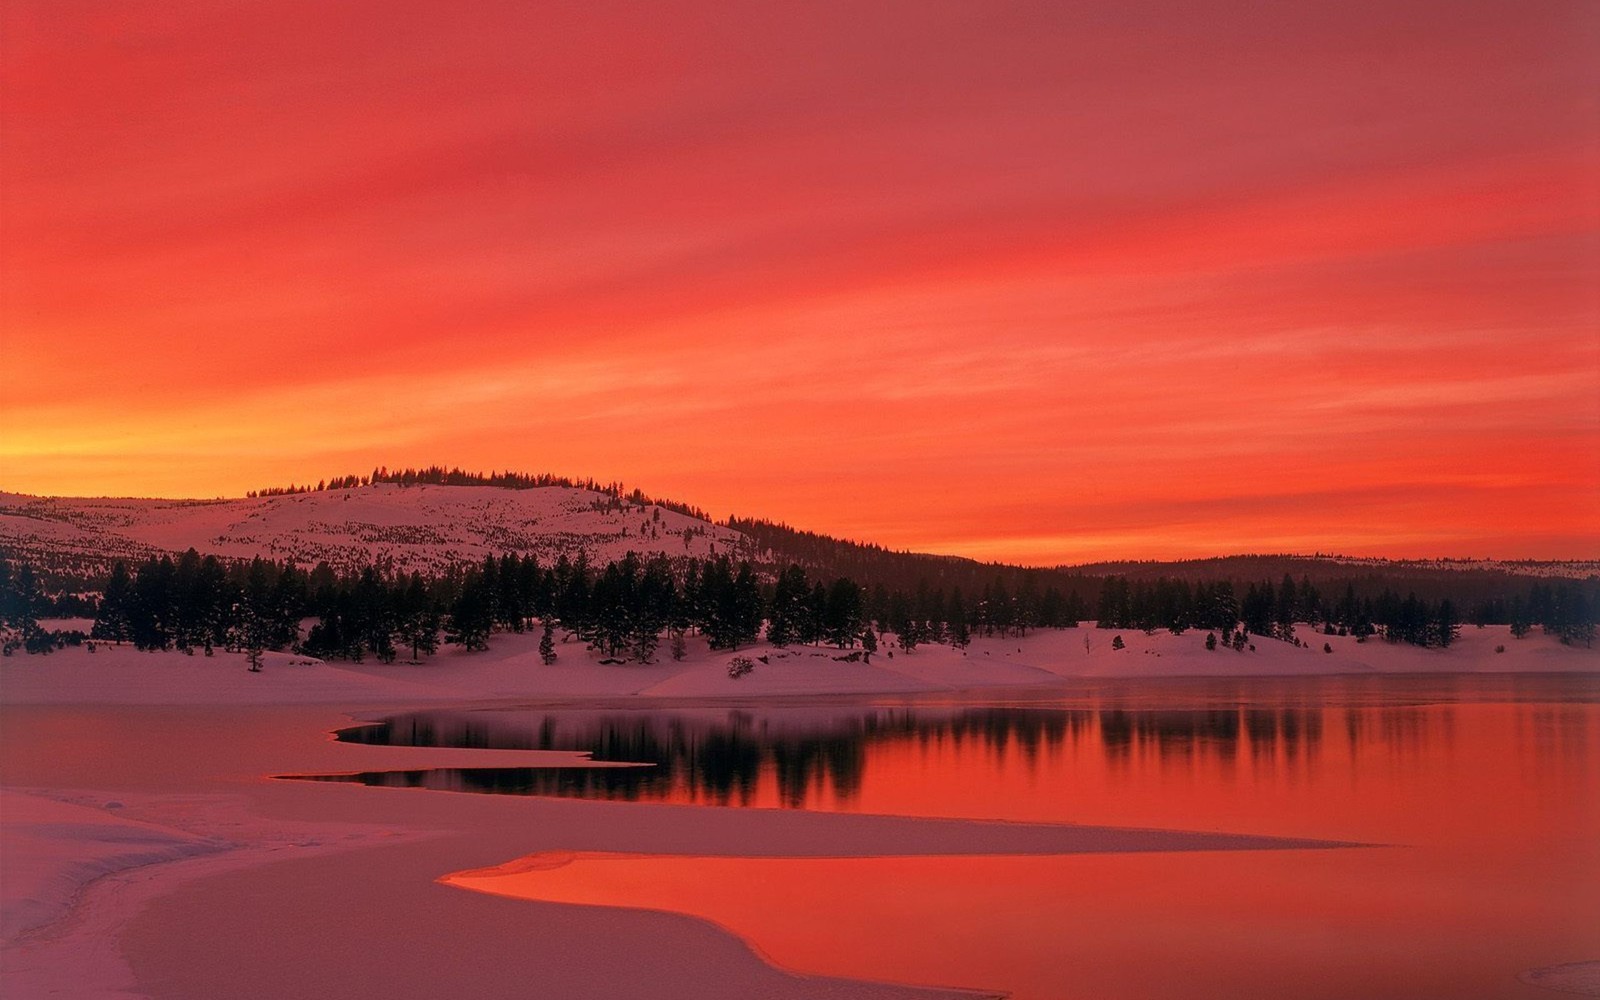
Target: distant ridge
<point>429,529</point>
<point>1222,567</point>
<point>437,519</point>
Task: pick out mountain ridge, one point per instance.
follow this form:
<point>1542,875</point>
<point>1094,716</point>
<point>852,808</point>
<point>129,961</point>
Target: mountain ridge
<point>433,528</point>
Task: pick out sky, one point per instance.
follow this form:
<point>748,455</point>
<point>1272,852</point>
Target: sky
<point>1037,282</point>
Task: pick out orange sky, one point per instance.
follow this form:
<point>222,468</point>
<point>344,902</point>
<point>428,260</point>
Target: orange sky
<point>1041,282</point>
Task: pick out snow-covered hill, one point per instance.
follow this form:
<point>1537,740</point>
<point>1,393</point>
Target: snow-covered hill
<point>405,528</point>
<point>1567,569</point>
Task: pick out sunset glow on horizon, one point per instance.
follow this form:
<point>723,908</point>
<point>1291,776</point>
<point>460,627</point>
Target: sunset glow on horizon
<point>1039,283</point>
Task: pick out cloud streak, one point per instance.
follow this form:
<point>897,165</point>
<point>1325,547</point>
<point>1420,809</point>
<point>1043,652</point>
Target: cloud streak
<point>869,274</point>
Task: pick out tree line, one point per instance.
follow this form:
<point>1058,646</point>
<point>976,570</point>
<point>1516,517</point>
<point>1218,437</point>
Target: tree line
<point>1264,610</point>
<point>622,609</point>
<point>776,545</point>
<point>438,475</point>
<point>627,607</point>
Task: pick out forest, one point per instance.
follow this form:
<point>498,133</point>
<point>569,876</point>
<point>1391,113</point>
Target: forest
<point>626,608</point>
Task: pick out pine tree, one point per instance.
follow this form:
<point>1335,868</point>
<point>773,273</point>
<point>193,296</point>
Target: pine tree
<point>198,598</point>
<point>571,591</point>
<point>960,634</point>
<point>814,623</point>
<point>844,616</point>
<point>151,624</point>
<point>655,598</point>
<point>286,607</point>
<point>547,646</point>
<point>1114,610</point>
<point>1000,609</point>
<point>417,620</point>
<point>24,601</point>
<point>1576,622</point>
<point>254,617</point>
<point>1285,608</point>
<point>472,615</point>
<point>373,619</point>
<point>8,596</point>
<point>788,613</point>
<point>878,608</point>
<point>1224,607</point>
<point>1257,609</point>
<point>909,636</point>
<point>746,605</point>
<point>509,611</point>
<point>530,580</point>
<point>116,605</point>
<point>1447,628</point>
<point>611,606</point>
<point>957,628</point>
<point>1521,622</point>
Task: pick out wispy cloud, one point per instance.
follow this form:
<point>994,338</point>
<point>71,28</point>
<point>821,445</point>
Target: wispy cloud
<point>984,279</point>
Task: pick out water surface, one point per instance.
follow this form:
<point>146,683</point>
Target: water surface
<point>1483,791</point>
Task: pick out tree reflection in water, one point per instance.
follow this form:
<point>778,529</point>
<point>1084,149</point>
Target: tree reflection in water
<point>724,757</point>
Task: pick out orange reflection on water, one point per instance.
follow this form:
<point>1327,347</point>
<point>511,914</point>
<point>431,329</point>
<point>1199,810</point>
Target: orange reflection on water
<point>1313,924</point>
<point>1489,817</point>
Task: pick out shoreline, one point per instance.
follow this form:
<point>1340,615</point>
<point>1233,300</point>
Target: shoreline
<point>512,670</point>
<point>71,953</point>
<point>71,949</point>
<point>187,756</point>
<point>254,831</point>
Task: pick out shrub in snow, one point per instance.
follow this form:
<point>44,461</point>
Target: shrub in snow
<point>739,666</point>
<point>1117,643</point>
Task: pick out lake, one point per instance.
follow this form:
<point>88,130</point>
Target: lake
<point>1478,798</point>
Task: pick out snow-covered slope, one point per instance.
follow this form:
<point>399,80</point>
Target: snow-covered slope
<point>404,528</point>
<point>1571,569</point>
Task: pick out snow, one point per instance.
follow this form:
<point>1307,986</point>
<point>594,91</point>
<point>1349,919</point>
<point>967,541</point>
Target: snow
<point>137,811</point>
<point>122,675</point>
<point>512,669</point>
<point>1569,569</point>
<point>54,849</point>
<point>404,528</point>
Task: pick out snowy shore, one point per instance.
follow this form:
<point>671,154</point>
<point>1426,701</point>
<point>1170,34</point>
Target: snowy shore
<point>146,854</point>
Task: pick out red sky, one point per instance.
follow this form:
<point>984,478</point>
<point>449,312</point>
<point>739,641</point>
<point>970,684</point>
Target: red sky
<point>1040,282</point>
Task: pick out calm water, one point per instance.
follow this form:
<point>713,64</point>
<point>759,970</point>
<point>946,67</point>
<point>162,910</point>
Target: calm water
<point>1483,794</point>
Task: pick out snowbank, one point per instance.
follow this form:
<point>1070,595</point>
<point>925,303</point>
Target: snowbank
<point>122,675</point>
<point>323,865</point>
<point>511,669</point>
<point>54,849</point>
